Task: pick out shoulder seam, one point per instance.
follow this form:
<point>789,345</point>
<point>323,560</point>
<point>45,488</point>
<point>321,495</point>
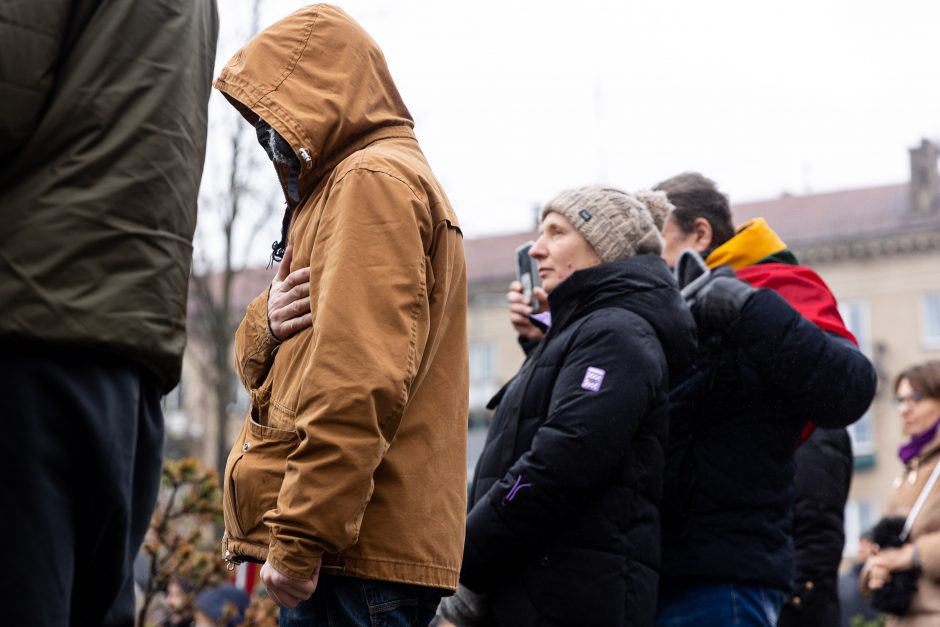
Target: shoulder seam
<point>361,168</point>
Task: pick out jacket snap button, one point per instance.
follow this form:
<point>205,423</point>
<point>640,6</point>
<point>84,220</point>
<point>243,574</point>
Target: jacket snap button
<point>796,600</point>
<point>544,561</point>
<point>810,585</point>
<point>245,446</point>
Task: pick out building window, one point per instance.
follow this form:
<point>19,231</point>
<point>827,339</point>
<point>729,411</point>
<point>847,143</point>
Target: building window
<point>859,518</point>
<point>856,317</point>
<point>483,379</point>
<point>931,320</point>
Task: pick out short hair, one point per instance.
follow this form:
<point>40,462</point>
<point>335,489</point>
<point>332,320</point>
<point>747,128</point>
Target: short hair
<point>924,378</point>
<point>696,196</point>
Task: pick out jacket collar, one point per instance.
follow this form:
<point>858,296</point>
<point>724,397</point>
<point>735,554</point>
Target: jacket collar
<point>608,284</point>
<point>754,241</point>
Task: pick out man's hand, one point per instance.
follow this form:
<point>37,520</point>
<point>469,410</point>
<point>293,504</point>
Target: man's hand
<point>520,309</point>
<point>289,299</point>
<point>284,591</point>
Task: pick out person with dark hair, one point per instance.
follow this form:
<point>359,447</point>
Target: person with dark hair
<point>917,392</point>
<point>729,541</point>
<point>102,143</point>
<point>221,605</point>
<point>563,526</point>
<point>766,364</point>
<point>735,423</point>
<point>348,479</point>
<point>852,604</point>
<point>702,215</point>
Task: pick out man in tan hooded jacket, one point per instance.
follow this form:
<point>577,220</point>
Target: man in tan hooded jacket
<point>349,476</point>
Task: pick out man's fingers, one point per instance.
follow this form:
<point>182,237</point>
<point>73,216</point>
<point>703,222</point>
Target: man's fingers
<point>284,268</point>
<point>294,591</point>
<point>287,328</point>
<point>301,290</point>
<point>302,589</point>
<point>283,597</point>
<point>300,307</point>
<point>295,278</point>
<point>274,597</point>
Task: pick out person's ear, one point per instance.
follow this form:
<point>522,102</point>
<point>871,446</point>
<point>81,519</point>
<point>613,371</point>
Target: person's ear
<point>702,230</point>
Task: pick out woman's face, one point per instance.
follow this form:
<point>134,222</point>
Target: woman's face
<point>560,251</point>
<point>918,412</point>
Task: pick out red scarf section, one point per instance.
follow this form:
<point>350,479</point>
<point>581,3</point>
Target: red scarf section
<point>807,293</point>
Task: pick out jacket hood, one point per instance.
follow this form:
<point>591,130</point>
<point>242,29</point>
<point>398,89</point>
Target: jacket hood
<point>753,241</point>
<point>322,83</point>
<point>642,285</point>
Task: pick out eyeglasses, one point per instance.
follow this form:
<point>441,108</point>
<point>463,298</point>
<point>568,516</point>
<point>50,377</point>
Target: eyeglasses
<point>912,399</point>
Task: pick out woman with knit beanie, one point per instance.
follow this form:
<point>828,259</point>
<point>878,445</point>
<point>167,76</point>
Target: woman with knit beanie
<point>563,527</point>
<point>917,391</point>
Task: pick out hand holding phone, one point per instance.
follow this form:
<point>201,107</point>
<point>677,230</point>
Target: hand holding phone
<point>528,275</point>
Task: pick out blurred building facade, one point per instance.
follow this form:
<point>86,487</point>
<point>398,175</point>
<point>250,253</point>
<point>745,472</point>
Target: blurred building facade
<point>878,248</point>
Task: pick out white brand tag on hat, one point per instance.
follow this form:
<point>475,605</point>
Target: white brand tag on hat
<point>593,378</point>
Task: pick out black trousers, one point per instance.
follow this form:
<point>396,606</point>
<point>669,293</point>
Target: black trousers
<point>80,458</point>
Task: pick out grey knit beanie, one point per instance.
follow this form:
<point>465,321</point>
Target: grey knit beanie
<point>615,223</point>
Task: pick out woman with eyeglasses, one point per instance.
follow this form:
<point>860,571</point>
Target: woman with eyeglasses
<point>917,392</point>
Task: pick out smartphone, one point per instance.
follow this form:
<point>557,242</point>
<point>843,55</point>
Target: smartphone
<point>527,273</point>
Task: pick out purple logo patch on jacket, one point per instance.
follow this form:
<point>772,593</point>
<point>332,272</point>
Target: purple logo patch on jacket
<point>593,378</point>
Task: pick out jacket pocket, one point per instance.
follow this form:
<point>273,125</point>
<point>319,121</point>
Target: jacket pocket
<point>253,475</point>
<point>576,586</point>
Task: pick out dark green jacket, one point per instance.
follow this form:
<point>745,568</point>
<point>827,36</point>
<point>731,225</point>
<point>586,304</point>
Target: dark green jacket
<point>102,142</point>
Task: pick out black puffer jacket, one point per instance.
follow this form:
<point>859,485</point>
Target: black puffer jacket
<point>734,426</point>
<point>823,478</point>
<point>564,523</point>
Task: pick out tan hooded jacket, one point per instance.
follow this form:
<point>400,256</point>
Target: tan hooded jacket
<point>355,449</point>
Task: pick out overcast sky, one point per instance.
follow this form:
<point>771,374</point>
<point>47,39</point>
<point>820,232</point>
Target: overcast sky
<point>514,101</point>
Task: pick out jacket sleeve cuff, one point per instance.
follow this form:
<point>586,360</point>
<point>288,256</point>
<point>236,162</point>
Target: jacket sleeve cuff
<point>255,345</point>
<point>292,563</point>
<point>258,325</point>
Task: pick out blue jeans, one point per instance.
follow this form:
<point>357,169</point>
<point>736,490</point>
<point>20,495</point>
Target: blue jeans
<point>353,602</point>
<point>718,605</point>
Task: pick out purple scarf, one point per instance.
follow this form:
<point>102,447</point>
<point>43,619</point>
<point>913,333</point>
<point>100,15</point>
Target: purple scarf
<point>912,449</point>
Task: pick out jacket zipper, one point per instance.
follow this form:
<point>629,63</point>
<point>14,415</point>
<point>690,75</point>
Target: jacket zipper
<point>231,560</point>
